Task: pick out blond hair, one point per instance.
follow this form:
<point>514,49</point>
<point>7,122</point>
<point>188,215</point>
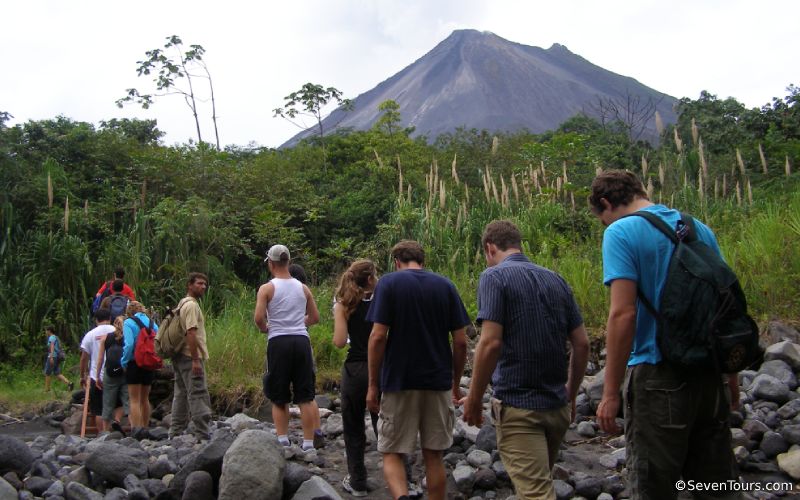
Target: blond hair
<point>133,308</point>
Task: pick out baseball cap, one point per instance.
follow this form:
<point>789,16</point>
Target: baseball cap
<point>276,252</point>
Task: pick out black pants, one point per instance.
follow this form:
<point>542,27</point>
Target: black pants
<point>355,379</point>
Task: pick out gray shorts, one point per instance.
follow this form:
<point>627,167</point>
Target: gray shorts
<point>115,394</point>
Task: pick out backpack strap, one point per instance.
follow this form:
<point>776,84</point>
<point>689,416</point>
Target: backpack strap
<point>149,327</point>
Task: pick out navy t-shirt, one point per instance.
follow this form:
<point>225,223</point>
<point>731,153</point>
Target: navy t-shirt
<point>421,308</point>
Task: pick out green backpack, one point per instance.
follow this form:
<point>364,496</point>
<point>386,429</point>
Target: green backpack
<point>702,319</point>
<point>170,337</point>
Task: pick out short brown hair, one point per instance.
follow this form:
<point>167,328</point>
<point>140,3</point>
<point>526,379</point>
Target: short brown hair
<point>407,251</point>
<point>194,276</point>
<point>618,187</point>
<point>502,233</point>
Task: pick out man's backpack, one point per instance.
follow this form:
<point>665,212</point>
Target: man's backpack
<point>702,320</point>
<point>117,306</point>
<point>114,358</point>
<point>99,299</point>
<point>170,338</point>
<point>144,353</point>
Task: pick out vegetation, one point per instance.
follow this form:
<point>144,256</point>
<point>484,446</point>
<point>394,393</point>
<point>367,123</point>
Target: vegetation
<point>77,200</point>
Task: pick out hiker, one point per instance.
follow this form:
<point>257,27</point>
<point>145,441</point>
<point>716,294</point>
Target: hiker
<point>353,297</point>
<point>415,313</point>
<point>91,373</point>
<point>53,359</point>
<point>284,309</point>
<point>527,315</point>
<point>119,274</point>
<point>139,379</point>
<point>675,424</point>
<point>117,302</point>
<point>190,395</point>
<point>112,381</point>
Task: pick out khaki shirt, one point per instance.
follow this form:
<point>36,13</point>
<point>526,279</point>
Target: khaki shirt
<point>192,317</point>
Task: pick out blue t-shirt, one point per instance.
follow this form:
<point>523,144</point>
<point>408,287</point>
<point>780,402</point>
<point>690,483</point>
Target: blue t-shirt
<point>420,308</point>
<point>52,339</point>
<point>634,249</point>
<point>130,332</point>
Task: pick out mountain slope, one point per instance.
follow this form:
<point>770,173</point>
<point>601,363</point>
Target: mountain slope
<point>478,80</point>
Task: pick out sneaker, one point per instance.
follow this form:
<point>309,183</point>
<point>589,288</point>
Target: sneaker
<point>319,439</point>
<point>414,490</point>
<point>349,488</point>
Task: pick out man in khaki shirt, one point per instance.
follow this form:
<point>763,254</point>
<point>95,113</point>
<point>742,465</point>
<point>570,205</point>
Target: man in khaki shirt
<point>191,391</point>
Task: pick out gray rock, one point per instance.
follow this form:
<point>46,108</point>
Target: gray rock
<point>209,459</point>
<point>773,444</point>
<point>738,437</point>
<point>293,477</point>
<point>199,486</point>
<point>316,488</point>
<point>479,458</point>
<point>154,487</point>
<point>791,433</point>
<point>595,388</point>
<point>116,494</point>
<point>161,467</point>
<point>333,425</point>
<point>323,401</point>
<point>789,410</point>
<point>786,351</point>
<point>500,471</point>
<point>253,468</point>
<point>470,432</point>
<point>740,453</point>
<point>55,490</point>
<point>158,433</point>
<point>589,487</point>
<point>453,458</point>
<point>781,371</point>
<point>789,462</point>
<point>26,495</point>
<point>586,429</point>
<point>79,475</point>
<point>485,479</point>
<point>77,491</point>
<point>778,332</point>
<point>15,456</point>
<point>37,485</point>
<point>614,485</point>
<point>7,491</point>
<point>754,429</point>
<point>770,388</point>
<point>241,422</point>
<point>563,489</point>
<point>614,459</point>
<point>13,480</point>
<point>113,462</point>
<point>487,438</point>
<point>464,476</point>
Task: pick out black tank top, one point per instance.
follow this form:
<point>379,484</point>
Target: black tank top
<point>359,329</point>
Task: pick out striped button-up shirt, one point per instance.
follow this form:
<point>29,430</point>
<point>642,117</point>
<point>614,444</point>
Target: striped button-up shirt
<point>537,310</point>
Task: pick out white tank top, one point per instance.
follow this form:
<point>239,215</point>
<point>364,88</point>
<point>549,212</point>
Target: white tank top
<point>286,312</point>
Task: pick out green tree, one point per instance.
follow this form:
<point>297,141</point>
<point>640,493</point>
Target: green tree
<point>311,101</point>
<point>188,65</point>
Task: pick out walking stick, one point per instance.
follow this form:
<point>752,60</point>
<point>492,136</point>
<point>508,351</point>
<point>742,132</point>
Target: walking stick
<point>85,407</point>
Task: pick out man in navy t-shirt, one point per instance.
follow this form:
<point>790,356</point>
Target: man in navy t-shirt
<point>415,312</point>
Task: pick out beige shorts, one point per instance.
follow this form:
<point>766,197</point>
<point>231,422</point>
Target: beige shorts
<point>406,414</point>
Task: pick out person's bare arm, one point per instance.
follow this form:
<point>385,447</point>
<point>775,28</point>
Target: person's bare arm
<point>486,355</point>
<point>312,313</point>
<point>339,326</point>
<point>733,387</point>
<point>264,295</point>
<point>191,342</point>
<point>577,364</point>
<point>101,354</point>
<point>459,360</point>
<point>375,351</point>
<point>621,328</point>
<point>84,364</point>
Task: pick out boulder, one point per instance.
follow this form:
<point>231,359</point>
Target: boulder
<point>253,467</point>
<point>15,456</point>
<point>778,332</point>
<point>769,388</point>
<point>293,477</point>
<point>209,459</point>
<point>113,462</point>
<point>316,488</point>
<point>781,371</point>
<point>7,492</point>
<point>786,351</point>
<point>199,486</point>
<point>789,462</point>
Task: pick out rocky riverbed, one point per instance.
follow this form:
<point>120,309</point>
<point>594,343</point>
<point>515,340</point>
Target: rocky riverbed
<point>244,460</point>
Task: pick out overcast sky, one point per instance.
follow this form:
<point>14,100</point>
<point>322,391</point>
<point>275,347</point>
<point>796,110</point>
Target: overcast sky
<point>76,58</point>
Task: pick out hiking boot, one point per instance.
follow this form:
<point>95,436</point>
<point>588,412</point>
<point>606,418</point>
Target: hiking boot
<point>319,439</point>
<point>349,488</point>
<point>140,433</point>
<point>414,490</point>
<point>115,426</point>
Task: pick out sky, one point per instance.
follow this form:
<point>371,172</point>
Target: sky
<point>77,58</point>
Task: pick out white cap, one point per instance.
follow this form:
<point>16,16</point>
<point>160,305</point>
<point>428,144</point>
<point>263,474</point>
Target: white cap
<point>276,253</point>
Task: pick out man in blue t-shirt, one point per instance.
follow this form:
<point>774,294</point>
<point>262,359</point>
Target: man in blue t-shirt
<point>414,313</point>
<point>674,424</point>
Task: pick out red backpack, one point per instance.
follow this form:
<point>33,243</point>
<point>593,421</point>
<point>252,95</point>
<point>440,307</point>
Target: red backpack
<point>145,351</point>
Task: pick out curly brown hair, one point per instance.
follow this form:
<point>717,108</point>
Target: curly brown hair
<point>618,187</point>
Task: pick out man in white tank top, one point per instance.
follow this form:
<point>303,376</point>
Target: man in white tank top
<point>284,309</point>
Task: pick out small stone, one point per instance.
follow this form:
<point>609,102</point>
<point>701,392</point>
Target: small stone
<point>485,479</point>
<point>773,444</point>
<point>464,476</point>
<point>333,425</point>
<point>241,422</point>
<point>37,485</point>
<point>199,486</point>
<point>479,458</point>
<point>769,388</point>
<point>789,462</point>
<point>500,471</point>
<point>77,491</point>
<point>785,351</point>
<point>563,489</point>
<point>586,429</point>
<point>316,488</point>
<point>614,459</point>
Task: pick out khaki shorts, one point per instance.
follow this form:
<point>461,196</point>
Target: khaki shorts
<point>405,414</point>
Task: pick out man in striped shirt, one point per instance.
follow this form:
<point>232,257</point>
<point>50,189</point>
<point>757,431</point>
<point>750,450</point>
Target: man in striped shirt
<point>527,315</point>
